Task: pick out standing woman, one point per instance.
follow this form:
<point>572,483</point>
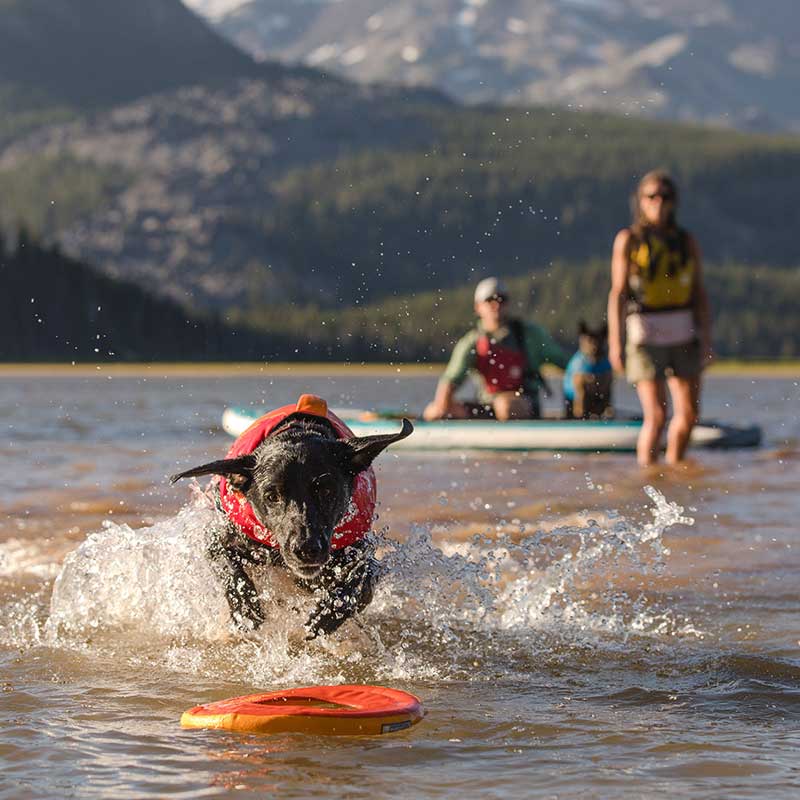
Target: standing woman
<point>659,309</point>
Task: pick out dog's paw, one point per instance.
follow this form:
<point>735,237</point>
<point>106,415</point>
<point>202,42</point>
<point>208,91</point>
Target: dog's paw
<point>247,620</point>
<point>325,620</point>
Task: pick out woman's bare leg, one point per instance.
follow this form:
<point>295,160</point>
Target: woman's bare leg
<point>685,393</point>
<point>653,397</point>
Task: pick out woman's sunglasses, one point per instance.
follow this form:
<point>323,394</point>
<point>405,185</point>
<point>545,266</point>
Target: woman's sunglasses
<point>665,196</point>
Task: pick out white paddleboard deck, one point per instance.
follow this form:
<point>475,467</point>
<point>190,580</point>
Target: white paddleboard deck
<point>545,434</point>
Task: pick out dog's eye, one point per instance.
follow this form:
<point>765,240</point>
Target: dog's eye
<point>271,496</point>
<point>326,492</point>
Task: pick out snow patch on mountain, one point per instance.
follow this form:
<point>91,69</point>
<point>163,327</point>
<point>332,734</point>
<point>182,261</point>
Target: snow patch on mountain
<point>214,9</point>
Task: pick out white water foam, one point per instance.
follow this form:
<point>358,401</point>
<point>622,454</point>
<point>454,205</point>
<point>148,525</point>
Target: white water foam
<point>21,557</point>
<point>151,591</point>
<point>153,580</point>
<point>537,580</point>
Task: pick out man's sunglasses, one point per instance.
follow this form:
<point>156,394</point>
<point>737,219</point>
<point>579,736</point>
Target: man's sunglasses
<point>496,298</point>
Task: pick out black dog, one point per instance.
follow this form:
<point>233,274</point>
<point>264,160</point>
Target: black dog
<point>299,483</point>
<point>588,378</point>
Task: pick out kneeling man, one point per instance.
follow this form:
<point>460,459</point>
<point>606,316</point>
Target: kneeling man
<point>505,353</point>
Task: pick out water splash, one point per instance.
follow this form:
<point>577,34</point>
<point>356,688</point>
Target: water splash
<point>543,579</point>
<point>152,580</point>
<point>438,609</point>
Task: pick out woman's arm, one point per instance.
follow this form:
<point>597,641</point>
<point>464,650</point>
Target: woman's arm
<point>701,306</point>
<point>617,297</point>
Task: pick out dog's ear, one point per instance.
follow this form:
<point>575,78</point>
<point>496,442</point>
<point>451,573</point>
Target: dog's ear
<point>361,451</point>
<point>238,471</point>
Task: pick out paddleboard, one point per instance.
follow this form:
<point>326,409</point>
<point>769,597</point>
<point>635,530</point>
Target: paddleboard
<point>541,434</point>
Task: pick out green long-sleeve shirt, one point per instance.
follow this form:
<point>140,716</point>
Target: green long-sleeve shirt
<point>540,349</point>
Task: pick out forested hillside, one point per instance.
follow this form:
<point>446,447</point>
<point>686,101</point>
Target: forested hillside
<point>508,192</point>
<point>754,310</point>
<point>53,308</point>
<point>261,196</point>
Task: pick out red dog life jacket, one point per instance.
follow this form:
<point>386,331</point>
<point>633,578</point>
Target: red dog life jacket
<point>356,522</point>
<point>503,368</point>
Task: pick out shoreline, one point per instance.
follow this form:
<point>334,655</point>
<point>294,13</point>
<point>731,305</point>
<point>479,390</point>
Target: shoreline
<point>743,369</point>
<point>243,369</point>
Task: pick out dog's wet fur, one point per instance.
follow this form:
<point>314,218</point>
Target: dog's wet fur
<point>592,390</point>
<point>299,482</point>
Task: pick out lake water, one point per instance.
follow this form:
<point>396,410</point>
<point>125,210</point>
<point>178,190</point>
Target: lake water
<point>569,631</point>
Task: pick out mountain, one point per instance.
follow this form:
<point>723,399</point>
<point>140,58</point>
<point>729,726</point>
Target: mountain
<point>94,53</point>
<point>312,192</point>
<point>173,190</point>
<point>285,189</point>
<point>169,139</point>
<point>729,62</point>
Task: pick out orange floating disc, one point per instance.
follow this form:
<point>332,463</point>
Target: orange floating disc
<point>329,710</point>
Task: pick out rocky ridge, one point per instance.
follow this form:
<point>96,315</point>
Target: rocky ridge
<point>201,163</point>
<point>729,62</point>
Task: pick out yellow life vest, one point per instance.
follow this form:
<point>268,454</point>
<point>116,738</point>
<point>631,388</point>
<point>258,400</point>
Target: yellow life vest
<point>661,271</point>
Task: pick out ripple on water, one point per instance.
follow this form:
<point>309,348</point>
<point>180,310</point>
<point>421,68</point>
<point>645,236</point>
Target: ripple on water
<point>542,603</point>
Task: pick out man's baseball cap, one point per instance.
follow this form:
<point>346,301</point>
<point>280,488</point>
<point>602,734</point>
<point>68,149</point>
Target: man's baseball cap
<point>489,288</point>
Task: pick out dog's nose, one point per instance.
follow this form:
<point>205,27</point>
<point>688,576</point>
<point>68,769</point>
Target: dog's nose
<point>311,550</point>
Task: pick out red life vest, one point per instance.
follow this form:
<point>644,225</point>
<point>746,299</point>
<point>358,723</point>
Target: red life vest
<point>356,522</point>
<point>502,368</point>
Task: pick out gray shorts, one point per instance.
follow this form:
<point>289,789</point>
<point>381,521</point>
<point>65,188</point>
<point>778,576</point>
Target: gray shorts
<point>650,362</point>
